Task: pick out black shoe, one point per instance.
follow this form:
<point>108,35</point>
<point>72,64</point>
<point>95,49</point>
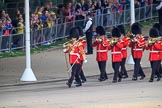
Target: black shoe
<point>69,84</point>
<point>125,76</point>
<point>119,80</point>
<point>151,80</point>
<point>76,82</point>
<point>142,77</point>
<point>89,53</point>
<point>114,81</point>
<point>134,78</point>
<point>79,85</point>
<point>101,79</point>
<point>158,79</point>
<point>83,81</point>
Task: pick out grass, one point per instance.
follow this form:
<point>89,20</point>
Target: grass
<point>15,53</point>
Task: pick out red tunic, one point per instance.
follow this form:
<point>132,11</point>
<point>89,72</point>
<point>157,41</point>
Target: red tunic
<point>83,46</point>
<point>101,50</point>
<point>75,50</point>
<point>160,51</point>
<point>137,47</point>
<point>154,51</point>
<point>116,52</point>
<point>124,49</point>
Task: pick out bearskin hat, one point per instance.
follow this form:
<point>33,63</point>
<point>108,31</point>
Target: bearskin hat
<point>154,32</point>
<point>159,27</point>
<point>74,33</point>
<point>80,31</point>
<point>100,30</point>
<point>116,32</point>
<point>136,29</point>
<point>121,28</point>
<point>137,23</point>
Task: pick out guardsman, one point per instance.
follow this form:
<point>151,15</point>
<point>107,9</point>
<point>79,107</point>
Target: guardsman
<point>75,50</point>
<point>137,45</point>
<point>81,40</point>
<point>159,27</point>
<point>116,48</point>
<point>125,40</point>
<point>102,45</point>
<point>154,47</point>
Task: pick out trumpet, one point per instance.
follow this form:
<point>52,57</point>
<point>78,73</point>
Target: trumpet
<point>153,40</point>
<point>129,35</point>
<point>113,41</point>
<point>98,39</point>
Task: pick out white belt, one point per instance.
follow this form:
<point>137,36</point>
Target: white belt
<point>101,50</point>
<point>124,48</point>
<point>75,54</point>
<point>154,51</point>
<point>115,52</point>
<point>137,49</point>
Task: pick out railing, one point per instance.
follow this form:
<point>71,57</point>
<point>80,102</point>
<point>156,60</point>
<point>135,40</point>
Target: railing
<point>60,31</point>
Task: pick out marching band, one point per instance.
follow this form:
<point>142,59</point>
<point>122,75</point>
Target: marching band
<point>118,44</point>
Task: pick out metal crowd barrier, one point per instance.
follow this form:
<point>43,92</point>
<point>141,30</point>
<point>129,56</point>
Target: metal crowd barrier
<point>61,30</point>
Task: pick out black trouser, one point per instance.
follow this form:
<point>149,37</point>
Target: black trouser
<point>154,67</point>
<point>137,68</point>
<point>81,73</point>
<point>89,42</point>
<point>82,76</point>
<point>116,66</point>
<point>160,16</point>
<point>102,67</point>
<point>123,69</point>
<point>159,69</point>
<point>75,73</point>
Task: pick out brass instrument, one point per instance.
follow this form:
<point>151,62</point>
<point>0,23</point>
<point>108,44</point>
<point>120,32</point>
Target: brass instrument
<point>151,40</point>
<point>129,35</point>
<point>66,43</point>
<point>113,41</point>
<point>98,39</point>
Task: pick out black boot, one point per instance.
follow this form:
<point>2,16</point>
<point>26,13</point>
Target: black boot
<point>69,84</point>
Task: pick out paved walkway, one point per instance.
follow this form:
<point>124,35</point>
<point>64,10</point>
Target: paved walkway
<point>51,66</point>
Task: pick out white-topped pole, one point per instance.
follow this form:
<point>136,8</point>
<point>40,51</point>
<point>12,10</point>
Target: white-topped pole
<point>28,74</point>
<point>132,11</point>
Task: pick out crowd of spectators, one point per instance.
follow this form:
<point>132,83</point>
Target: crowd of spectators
<point>48,15</point>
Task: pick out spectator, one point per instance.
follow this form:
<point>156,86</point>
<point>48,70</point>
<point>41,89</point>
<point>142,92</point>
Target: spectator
<point>1,28</point>
<point>84,6</point>
<point>8,27</point>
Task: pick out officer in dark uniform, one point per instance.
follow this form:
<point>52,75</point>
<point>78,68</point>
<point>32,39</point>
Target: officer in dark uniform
<point>72,48</point>
<point>159,8</point>
<point>88,30</point>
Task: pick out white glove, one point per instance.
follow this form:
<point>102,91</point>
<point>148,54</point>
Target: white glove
<point>85,61</point>
<point>64,50</point>
<point>64,45</point>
